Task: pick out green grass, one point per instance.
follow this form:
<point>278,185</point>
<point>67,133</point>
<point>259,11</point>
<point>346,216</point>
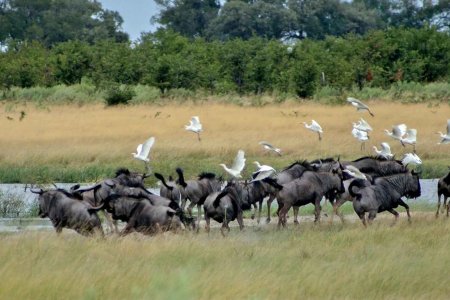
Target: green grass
<point>408,261</point>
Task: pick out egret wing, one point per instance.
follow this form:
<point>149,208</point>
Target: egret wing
<point>147,146</point>
<point>365,126</point>
<point>316,125</point>
<point>386,148</point>
<point>399,130</point>
<point>239,161</point>
<point>411,134</point>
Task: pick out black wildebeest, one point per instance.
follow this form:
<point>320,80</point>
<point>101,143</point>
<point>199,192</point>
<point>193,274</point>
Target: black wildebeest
<point>294,171</point>
<point>197,190</point>
<point>443,189</point>
<point>140,215</point>
<point>254,193</point>
<point>310,188</point>
<point>224,207</point>
<point>377,166</point>
<point>383,194</point>
<point>170,189</point>
<point>67,211</point>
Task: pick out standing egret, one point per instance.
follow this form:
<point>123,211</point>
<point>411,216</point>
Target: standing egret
<point>269,147</point>
<point>445,137</point>
<point>359,105</point>
<point>314,127</point>
<point>410,138</point>
<point>238,165</point>
<point>194,126</point>
<point>411,158</point>
<point>263,171</point>
<point>143,150</point>
<point>361,136</point>
<point>385,151</point>
<point>362,125</point>
<point>398,131</point>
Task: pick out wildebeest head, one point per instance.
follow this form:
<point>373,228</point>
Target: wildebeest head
<point>414,190</point>
<point>131,179</point>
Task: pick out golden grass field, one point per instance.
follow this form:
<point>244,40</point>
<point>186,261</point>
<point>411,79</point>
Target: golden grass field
<point>73,137</point>
<point>407,261</point>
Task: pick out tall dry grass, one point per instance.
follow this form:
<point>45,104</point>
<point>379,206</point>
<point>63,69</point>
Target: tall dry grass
<point>407,261</point>
<point>92,135</point>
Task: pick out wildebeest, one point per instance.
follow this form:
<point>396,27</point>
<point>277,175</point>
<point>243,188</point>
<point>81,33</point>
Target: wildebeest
<point>254,193</point>
<point>377,166</point>
<point>170,189</point>
<point>197,190</point>
<point>384,194</point>
<point>443,189</point>
<point>294,171</point>
<point>66,211</point>
<point>310,188</point>
<point>140,215</point>
<point>225,206</point>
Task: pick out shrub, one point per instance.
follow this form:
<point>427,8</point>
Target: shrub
<point>117,94</point>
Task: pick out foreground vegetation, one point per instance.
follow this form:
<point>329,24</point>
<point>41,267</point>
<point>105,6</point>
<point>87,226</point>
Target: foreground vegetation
<point>313,261</point>
<point>83,144</point>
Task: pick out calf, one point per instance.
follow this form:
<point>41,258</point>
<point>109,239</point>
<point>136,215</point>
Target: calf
<point>66,211</point>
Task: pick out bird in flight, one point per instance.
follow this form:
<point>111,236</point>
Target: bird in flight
<point>194,126</point>
<point>385,151</point>
<point>359,105</point>
<point>270,147</point>
<point>445,137</point>
<point>361,136</point>
<point>143,151</point>
<point>263,171</point>
<point>314,126</point>
<point>238,165</point>
<point>362,125</point>
<point>411,158</point>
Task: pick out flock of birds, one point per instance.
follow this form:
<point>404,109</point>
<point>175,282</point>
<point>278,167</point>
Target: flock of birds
<point>360,131</point>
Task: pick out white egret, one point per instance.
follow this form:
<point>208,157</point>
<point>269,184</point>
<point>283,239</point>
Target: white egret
<point>362,125</point>
<point>361,136</point>
<point>398,131</point>
<point>238,165</point>
<point>314,127</point>
<point>194,126</point>
<point>354,172</point>
<point>359,105</point>
<point>143,151</point>
<point>270,147</point>
<point>410,138</point>
<point>411,158</point>
<point>385,151</point>
<point>263,171</point>
<point>445,137</point>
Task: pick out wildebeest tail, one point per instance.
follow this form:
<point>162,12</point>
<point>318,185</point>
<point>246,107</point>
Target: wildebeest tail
<point>92,210</point>
<point>160,177</point>
<point>181,177</point>
<point>273,183</point>
<point>359,183</point>
<point>222,194</point>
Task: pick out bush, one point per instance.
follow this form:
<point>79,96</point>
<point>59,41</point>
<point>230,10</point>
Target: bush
<point>117,94</point>
<point>11,205</point>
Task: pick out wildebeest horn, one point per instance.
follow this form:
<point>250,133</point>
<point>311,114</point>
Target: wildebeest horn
<point>37,191</point>
<point>54,184</point>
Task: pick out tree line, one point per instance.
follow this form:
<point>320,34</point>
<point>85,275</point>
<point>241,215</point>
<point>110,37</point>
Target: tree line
<point>168,60</point>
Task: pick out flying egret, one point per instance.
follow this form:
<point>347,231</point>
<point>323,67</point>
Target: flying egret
<point>445,137</point>
<point>361,136</point>
<point>314,127</point>
<point>398,131</point>
<point>238,165</point>
<point>362,125</point>
<point>263,171</point>
<point>385,151</point>
<point>354,172</point>
<point>143,150</point>
<point>270,147</point>
<point>359,105</point>
<point>194,126</point>
<point>410,138</point>
<point>411,158</point>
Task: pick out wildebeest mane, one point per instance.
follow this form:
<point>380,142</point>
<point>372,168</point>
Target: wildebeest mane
<point>303,163</point>
<point>325,160</point>
<point>73,195</point>
<point>121,171</point>
<point>206,175</point>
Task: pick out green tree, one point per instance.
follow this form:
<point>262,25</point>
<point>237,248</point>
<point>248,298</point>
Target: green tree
<point>54,21</point>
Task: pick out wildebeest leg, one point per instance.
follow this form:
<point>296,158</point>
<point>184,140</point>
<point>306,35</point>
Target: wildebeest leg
<point>372,215</point>
<point>317,210</point>
<point>255,207</point>
<point>406,206</point>
<point>448,207</point>
<point>189,210</point>
<point>207,220</point>
<point>282,215</point>
<point>259,210</point>
<point>439,205</point>
<point>444,205</point>
<point>395,213</point>
<point>240,220</point>
<point>336,206</point>
<point>199,213</point>
<point>269,203</point>
<point>296,209</point>
<point>362,217</point>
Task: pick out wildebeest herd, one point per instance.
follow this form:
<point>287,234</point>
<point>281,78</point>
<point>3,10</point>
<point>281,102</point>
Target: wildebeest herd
<point>373,184</point>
